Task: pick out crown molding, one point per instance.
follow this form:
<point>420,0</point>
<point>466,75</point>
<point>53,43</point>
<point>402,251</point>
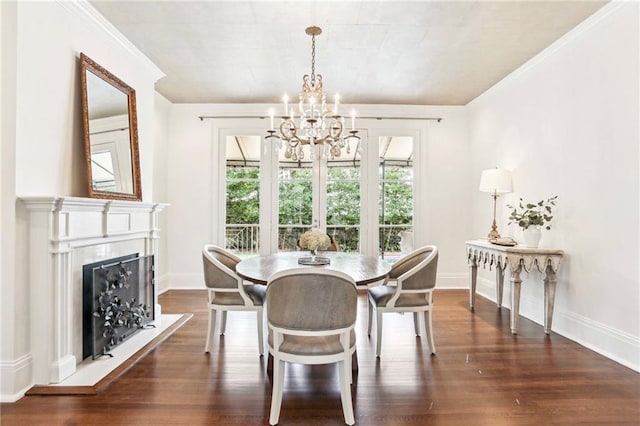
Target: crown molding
<point>86,11</point>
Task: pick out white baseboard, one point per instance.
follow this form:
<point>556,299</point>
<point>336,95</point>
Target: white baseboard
<point>452,281</point>
<point>186,282</point>
<point>616,345</point>
<point>163,283</point>
<point>607,341</point>
<point>15,378</point>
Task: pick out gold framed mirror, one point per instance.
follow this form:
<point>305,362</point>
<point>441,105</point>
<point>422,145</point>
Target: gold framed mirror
<point>110,134</point>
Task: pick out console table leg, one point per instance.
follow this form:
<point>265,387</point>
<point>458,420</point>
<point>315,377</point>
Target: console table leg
<point>549,296</point>
<point>473,276</point>
<point>516,283</point>
<point>499,285</point>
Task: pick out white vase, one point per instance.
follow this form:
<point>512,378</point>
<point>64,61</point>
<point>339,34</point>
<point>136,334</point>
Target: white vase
<point>532,236</point>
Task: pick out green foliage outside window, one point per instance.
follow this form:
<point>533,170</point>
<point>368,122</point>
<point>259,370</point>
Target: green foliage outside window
<point>243,195</point>
<point>343,203</point>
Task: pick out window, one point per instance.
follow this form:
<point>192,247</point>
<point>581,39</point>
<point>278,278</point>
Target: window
<point>321,192</point>
<point>295,202</point>
<point>243,194</point>
<point>343,202</point>
<point>395,204</point>
<point>366,207</point>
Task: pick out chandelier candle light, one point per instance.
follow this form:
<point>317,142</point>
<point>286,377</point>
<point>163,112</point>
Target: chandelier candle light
<point>496,181</point>
<point>318,124</point>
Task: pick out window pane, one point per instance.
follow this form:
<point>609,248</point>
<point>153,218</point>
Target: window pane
<point>343,201</point>
<point>243,194</point>
<point>295,203</point>
<point>396,204</point>
<point>295,209</point>
<point>395,207</point>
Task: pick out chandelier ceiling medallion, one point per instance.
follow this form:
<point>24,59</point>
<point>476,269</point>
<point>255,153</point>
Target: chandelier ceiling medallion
<point>318,124</point>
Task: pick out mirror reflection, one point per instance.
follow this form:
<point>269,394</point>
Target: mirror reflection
<point>111,142</point>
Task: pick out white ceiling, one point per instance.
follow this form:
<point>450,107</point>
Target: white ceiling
<point>370,52</point>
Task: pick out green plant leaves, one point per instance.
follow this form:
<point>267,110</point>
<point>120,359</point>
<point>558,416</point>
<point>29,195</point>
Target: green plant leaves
<point>532,214</point>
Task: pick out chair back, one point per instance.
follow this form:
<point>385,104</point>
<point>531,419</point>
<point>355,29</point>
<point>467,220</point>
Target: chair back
<point>311,299</point>
<point>334,246</point>
<point>220,268</point>
<point>417,270</point>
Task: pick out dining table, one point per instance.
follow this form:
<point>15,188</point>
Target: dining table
<point>363,269</point>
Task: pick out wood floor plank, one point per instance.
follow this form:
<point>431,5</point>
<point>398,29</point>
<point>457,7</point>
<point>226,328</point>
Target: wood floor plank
<point>481,375</point>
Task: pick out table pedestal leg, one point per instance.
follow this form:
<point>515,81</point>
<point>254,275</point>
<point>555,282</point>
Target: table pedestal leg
<point>499,285</point>
<point>549,296</point>
<point>516,283</point>
<point>473,277</point>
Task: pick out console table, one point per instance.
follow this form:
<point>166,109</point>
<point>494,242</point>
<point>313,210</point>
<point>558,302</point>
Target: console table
<point>517,258</point>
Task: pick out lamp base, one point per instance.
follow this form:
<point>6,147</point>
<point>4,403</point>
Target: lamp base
<point>494,231</point>
<point>494,234</point>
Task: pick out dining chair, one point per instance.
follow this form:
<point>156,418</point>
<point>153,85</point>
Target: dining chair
<point>311,318</point>
<point>227,291</point>
<point>408,287</point>
<point>334,246</point>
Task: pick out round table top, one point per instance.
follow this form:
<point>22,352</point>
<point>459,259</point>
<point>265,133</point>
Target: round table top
<point>363,269</point>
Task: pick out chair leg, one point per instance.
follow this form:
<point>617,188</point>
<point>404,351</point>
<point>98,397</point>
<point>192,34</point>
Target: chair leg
<point>276,392</point>
<point>210,327</point>
<point>223,322</point>
<point>370,317</point>
<point>378,332</point>
<point>416,323</point>
<point>429,329</point>
<point>345,392</point>
<point>260,338</point>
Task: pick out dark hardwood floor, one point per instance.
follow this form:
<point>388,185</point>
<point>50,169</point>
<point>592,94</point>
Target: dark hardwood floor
<point>481,375</point>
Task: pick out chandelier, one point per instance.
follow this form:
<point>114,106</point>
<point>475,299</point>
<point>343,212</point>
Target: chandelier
<point>317,124</point>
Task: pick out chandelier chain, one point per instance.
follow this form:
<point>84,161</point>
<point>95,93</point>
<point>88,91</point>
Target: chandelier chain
<point>313,60</point>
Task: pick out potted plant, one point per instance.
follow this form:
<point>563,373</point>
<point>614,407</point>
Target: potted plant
<point>531,217</point>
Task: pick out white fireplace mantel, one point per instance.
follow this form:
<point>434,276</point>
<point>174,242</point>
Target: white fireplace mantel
<point>64,233</point>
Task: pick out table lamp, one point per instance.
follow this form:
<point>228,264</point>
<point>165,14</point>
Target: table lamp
<point>496,181</point>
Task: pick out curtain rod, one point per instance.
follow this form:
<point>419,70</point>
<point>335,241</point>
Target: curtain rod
<point>262,117</point>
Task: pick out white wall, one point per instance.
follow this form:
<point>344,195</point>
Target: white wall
<point>161,185</point>
<point>13,374</point>
<point>42,145</point>
<point>51,36</point>
<point>566,124</point>
<point>193,182</point>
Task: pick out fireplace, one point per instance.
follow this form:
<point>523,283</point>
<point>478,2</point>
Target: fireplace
<point>66,233</point>
<point>117,301</point>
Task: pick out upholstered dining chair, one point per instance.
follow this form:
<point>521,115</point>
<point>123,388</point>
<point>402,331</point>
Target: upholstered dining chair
<point>227,291</point>
<point>414,277</point>
<point>334,246</point>
<point>311,318</point>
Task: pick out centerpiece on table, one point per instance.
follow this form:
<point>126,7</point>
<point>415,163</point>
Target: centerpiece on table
<point>531,217</point>
<point>314,240</point>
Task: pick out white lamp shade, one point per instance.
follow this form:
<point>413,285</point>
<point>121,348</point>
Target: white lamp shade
<point>496,180</point>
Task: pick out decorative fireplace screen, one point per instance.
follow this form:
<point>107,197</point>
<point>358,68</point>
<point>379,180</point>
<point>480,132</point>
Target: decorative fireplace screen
<point>117,301</point>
